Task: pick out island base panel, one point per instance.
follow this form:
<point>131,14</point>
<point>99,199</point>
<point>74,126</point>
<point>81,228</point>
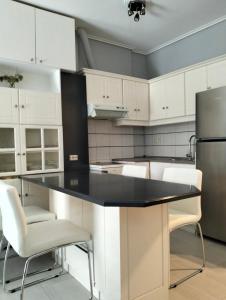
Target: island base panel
<point>131,248</point>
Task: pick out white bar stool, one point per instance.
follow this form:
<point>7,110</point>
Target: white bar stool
<point>33,214</point>
<point>185,212</point>
<point>33,240</point>
<point>134,171</point>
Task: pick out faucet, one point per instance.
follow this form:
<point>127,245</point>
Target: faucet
<point>190,155</point>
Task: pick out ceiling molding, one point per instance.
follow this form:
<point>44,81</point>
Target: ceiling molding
<point>183,36</point>
<point>103,40</point>
<point>170,42</point>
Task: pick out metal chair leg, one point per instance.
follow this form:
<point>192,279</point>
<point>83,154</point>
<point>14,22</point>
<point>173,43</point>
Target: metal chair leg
<point>24,278</point>
<point>203,247</point>
<point>90,272</point>
<point>1,245</point>
<point>4,267</point>
<point>196,272</point>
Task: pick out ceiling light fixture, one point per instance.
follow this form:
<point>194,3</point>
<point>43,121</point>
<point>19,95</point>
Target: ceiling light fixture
<point>136,7</point>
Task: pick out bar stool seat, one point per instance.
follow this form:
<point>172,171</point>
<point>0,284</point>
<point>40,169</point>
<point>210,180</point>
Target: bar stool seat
<point>47,235</point>
<point>177,217</point>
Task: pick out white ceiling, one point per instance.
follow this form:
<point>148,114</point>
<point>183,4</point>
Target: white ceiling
<point>165,20</point>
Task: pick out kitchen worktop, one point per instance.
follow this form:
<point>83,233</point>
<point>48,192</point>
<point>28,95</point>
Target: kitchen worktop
<point>177,160</point>
<point>113,190</point>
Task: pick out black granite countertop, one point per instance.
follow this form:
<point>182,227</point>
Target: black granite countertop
<point>177,160</point>
<point>113,190</point>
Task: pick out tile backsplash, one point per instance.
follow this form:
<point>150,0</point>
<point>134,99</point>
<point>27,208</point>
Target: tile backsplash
<point>168,140</point>
<point>107,142</point>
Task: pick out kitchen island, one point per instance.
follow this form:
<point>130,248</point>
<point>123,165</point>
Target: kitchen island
<point>128,219</point>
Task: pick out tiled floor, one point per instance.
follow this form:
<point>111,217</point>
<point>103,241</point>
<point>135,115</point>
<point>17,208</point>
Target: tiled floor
<point>210,285</point>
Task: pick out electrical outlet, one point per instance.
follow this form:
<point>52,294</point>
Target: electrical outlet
<point>73,157</point>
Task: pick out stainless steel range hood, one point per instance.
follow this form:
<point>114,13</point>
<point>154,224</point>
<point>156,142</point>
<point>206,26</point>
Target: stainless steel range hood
<point>106,112</point>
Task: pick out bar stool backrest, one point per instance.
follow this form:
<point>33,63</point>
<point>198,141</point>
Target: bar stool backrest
<point>190,177</point>
<point>13,218</point>
<point>134,171</point>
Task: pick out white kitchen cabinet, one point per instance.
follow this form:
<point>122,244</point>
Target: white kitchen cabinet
<point>40,108</point>
<point>95,87</point>
<point>136,99</point>
<point>113,90</point>
<point>55,40</point>
<point>103,90</point>
<point>195,82</point>
<point>17,32</point>
<point>216,75</point>
<point>175,102</point>
<point>41,149</point>
<point>9,150</point>
<point>167,98</point>
<point>9,104</point>
<point>157,100</point>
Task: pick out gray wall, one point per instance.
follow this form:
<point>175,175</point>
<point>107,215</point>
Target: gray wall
<point>114,59</point>
<point>201,46</point>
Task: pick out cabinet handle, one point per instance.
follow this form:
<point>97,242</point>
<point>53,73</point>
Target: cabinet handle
<point>32,59</point>
<point>22,106</point>
<point>23,154</point>
<point>209,88</point>
<point>41,61</point>
<point>167,107</point>
<point>103,96</point>
<point>135,109</point>
<point>163,107</point>
<point>108,97</point>
<point>16,105</point>
<point>18,154</point>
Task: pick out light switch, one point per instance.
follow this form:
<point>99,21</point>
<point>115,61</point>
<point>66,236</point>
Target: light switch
<point>73,157</point>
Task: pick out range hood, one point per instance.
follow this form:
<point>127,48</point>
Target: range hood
<point>106,112</point>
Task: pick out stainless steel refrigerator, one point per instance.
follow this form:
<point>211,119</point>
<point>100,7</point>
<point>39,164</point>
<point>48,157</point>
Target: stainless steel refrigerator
<point>211,159</point>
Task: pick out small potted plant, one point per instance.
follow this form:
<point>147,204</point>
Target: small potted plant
<point>12,79</point>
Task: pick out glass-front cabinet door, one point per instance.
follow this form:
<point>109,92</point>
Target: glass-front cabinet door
<point>9,150</point>
<point>41,149</point>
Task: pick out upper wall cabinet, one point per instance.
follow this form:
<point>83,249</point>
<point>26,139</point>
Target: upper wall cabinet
<point>9,104</point>
<point>40,108</point>
<point>167,98</point>
<point>195,82</point>
<point>216,74</point>
<point>55,40</point>
<point>136,99</point>
<point>175,106</point>
<point>103,90</point>
<point>36,36</point>
<point>17,32</point>
<point>29,107</point>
